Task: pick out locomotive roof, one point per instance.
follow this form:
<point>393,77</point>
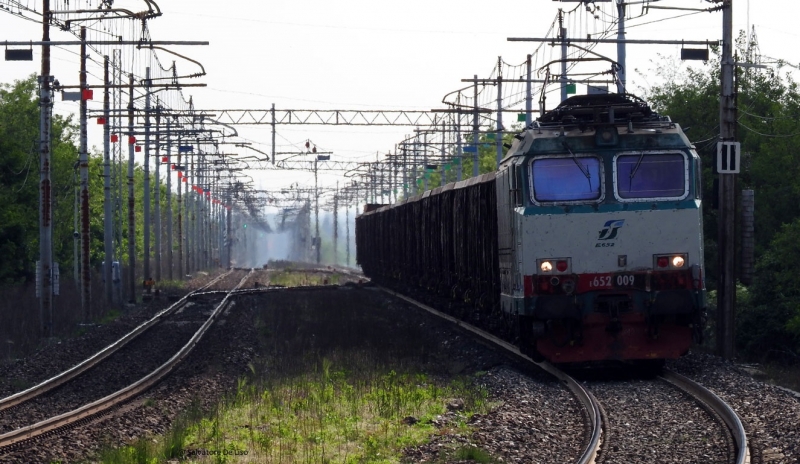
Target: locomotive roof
<point>585,111</point>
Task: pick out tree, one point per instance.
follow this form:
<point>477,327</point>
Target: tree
<point>768,105</point>
<point>19,167</point>
<point>19,197</point>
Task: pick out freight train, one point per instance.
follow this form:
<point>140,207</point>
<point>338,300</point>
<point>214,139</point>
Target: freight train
<point>586,244</point>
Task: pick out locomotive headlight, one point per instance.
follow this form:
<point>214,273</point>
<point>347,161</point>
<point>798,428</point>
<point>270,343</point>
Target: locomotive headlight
<point>670,261</point>
<point>546,266</point>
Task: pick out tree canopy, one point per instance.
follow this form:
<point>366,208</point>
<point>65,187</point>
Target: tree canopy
<point>19,176</point>
<point>768,110</point>
<point>19,197</point>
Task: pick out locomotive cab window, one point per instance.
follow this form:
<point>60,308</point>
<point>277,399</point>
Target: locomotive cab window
<point>644,176</point>
<point>570,179</point>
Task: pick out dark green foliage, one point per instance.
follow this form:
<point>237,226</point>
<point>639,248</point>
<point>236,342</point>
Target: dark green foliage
<point>769,323</point>
<point>768,104</point>
<point>19,195</point>
<point>19,177</point>
<point>487,160</point>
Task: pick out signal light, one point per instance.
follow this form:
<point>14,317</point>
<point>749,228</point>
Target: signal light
<point>678,261</point>
<point>561,266</point>
<point>546,266</point>
<point>662,261</point>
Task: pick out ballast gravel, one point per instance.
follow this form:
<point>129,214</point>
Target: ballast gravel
<point>770,415</point>
<point>535,420</point>
<point>650,421</point>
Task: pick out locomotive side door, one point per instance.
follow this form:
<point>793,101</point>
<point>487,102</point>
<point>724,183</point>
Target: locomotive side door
<point>507,196</point>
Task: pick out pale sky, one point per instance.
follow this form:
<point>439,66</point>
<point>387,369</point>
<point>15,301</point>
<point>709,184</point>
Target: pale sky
<point>358,54</point>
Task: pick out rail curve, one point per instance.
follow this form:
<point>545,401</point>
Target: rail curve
<point>720,407</point>
<point>585,397</point>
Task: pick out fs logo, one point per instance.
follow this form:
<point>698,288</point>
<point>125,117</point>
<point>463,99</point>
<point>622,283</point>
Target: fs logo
<point>609,232</point>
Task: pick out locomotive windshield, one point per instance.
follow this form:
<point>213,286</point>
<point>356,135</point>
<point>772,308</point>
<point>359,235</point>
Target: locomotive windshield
<point>651,175</point>
<point>566,179</point>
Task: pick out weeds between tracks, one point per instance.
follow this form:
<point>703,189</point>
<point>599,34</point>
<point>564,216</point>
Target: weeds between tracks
<point>336,380</point>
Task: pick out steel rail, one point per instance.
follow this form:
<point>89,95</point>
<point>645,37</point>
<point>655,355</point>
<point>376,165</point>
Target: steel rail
<point>588,400</point>
<point>719,406</point>
<point>136,388</point>
<point>101,355</point>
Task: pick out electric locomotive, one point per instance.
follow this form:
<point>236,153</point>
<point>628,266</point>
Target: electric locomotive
<point>585,245</point>
<point>600,242</point>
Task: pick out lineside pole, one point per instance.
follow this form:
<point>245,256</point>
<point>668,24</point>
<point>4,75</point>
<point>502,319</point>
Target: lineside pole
<point>425,161</point>
<point>147,273</point>
<point>187,212</point>
<point>726,292</point>
<point>563,37</point>
<point>443,180</point>
<point>318,241</point>
<point>170,239</point>
<point>228,237</point>
<point>475,129</point>
<point>108,213</point>
<point>415,186</point>
<point>459,151</point>
<point>131,200</point>
<point>336,225</point>
<point>528,93</point>
<point>86,276</point>
<point>499,138</point>
<point>180,216</point>
<point>621,55</point>
<point>45,267</point>
<point>157,194</point>
<point>117,77</point>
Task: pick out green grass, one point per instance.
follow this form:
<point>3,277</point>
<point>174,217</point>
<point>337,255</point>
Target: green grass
<point>472,453</point>
<point>110,316</point>
<point>335,412</point>
<point>293,278</point>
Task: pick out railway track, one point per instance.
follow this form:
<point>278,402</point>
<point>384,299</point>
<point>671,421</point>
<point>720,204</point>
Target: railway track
<point>599,442</point>
<point>55,381</point>
<point>725,412</point>
<point>186,313</point>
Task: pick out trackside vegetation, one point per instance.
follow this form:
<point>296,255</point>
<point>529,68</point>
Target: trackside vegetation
<point>338,376</point>
<point>299,278</point>
<point>768,102</point>
<point>331,414</point>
